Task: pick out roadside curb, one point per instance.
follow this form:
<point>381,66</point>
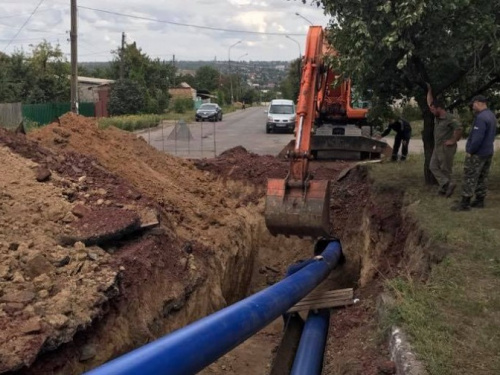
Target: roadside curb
<point>400,349</point>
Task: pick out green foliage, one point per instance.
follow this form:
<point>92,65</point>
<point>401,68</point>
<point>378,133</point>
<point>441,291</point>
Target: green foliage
<point>207,78</point>
<point>38,77</point>
<point>131,122</point>
<point>290,86</point>
<point>126,97</point>
<point>250,96</point>
<point>409,112</point>
<point>394,47</point>
<point>153,76</point>
<point>220,97</point>
<point>181,105</point>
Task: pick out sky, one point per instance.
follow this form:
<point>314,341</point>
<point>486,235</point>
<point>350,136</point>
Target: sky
<point>242,30</point>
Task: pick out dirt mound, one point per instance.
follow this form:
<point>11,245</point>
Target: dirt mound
<point>47,292</point>
<point>192,202</point>
<point>239,164</point>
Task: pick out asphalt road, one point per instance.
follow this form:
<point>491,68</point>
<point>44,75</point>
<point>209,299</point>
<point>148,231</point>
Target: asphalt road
<point>208,139</point>
<point>241,128</point>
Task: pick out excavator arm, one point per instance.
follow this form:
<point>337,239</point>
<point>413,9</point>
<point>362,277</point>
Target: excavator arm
<point>299,205</point>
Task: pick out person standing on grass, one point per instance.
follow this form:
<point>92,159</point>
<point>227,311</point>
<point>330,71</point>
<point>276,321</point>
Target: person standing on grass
<point>403,135</point>
<point>479,149</point>
<point>447,132</point>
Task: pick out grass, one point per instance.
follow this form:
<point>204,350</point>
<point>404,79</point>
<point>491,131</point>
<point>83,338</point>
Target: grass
<point>416,128</point>
<point>138,122</point>
<point>454,317</point>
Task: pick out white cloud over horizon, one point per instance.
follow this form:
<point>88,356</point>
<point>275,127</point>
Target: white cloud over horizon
<point>100,32</point>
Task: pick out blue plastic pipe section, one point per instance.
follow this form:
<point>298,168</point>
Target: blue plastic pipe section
<point>190,349</point>
<point>309,357</point>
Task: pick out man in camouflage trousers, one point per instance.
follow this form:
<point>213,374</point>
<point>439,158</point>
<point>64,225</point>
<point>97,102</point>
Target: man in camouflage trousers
<point>479,148</point>
<point>447,132</point>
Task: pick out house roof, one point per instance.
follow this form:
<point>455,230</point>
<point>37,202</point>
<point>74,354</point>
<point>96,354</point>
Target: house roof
<point>94,81</point>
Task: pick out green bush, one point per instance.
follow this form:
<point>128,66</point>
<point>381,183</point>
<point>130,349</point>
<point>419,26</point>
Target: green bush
<point>181,105</point>
<point>409,112</point>
<point>126,97</point>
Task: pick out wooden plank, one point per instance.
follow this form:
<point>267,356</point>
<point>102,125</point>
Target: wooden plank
<point>325,305</point>
<point>320,300</point>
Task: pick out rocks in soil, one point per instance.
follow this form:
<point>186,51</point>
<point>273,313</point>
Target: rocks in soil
<point>43,174</point>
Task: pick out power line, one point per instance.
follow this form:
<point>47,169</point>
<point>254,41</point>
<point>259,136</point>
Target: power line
<point>186,24</point>
<point>24,24</point>
<point>23,14</point>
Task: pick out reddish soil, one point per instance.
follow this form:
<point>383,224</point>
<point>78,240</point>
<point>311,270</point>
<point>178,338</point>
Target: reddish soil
<point>354,345</point>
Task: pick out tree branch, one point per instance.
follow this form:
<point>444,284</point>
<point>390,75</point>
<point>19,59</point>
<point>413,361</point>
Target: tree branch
<point>482,89</point>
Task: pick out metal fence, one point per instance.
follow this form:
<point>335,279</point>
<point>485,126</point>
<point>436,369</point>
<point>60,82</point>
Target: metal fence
<point>10,115</point>
<point>193,140</point>
<point>47,112</point>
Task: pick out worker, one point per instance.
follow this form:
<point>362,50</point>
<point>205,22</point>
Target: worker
<point>447,132</point>
<point>403,135</point>
<point>479,149</point>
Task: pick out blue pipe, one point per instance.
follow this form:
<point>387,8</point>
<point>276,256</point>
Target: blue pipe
<point>309,357</point>
<point>190,349</point>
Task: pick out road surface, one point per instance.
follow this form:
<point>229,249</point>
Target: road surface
<point>241,128</point>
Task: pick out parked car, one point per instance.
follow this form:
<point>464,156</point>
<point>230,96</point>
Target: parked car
<point>210,112</point>
<point>280,116</point>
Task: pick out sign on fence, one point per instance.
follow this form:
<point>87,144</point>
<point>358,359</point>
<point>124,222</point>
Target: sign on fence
<point>10,115</point>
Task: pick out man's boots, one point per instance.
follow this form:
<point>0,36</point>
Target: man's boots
<point>478,202</point>
<point>463,205</point>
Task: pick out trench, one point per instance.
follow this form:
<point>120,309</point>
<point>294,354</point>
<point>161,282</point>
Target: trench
<point>379,241</point>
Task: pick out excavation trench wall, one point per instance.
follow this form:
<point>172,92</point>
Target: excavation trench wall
<point>152,303</point>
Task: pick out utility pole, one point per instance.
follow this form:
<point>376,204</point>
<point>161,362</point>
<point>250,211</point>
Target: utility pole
<point>122,57</point>
<point>74,58</point>
<point>173,64</point>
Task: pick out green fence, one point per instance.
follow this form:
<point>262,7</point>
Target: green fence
<point>47,112</point>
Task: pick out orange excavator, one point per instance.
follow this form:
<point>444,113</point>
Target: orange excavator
<point>327,120</point>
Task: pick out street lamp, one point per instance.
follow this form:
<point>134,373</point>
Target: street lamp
<point>300,52</point>
<point>301,16</point>
<point>229,61</point>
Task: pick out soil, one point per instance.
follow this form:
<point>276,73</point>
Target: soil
<point>101,233</point>
<point>354,345</point>
<point>80,232</point>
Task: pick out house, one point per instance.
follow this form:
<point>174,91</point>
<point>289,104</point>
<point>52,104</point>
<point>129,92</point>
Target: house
<point>183,91</point>
<point>89,87</point>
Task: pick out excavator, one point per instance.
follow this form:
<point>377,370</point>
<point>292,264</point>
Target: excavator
<point>328,121</point>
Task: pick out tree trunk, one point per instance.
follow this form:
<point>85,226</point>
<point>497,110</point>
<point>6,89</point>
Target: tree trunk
<point>428,139</point>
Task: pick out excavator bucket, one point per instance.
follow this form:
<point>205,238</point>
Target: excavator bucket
<point>298,211</point>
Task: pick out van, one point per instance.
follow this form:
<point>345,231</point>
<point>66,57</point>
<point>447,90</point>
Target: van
<point>280,116</point>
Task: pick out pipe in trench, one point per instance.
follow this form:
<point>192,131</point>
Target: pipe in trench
<point>309,357</point>
<point>190,349</point>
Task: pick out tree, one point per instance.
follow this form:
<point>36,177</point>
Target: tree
<point>394,46</point>
<point>207,78</point>
<point>290,86</point>
<point>127,97</point>
<point>153,76</point>
<point>38,77</point>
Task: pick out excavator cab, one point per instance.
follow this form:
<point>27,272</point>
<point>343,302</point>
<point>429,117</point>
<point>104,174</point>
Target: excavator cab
<point>299,205</point>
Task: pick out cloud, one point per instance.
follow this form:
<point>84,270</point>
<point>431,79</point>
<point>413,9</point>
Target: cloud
<point>100,32</point>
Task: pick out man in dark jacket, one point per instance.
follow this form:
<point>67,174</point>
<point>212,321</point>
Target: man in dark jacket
<point>479,149</point>
<point>403,135</point>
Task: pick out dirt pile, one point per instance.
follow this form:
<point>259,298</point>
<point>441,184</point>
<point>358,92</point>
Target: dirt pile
<point>79,257</point>
<point>192,201</point>
<point>47,291</point>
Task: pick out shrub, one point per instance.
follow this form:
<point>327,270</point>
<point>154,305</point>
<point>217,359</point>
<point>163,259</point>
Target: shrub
<point>181,105</point>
